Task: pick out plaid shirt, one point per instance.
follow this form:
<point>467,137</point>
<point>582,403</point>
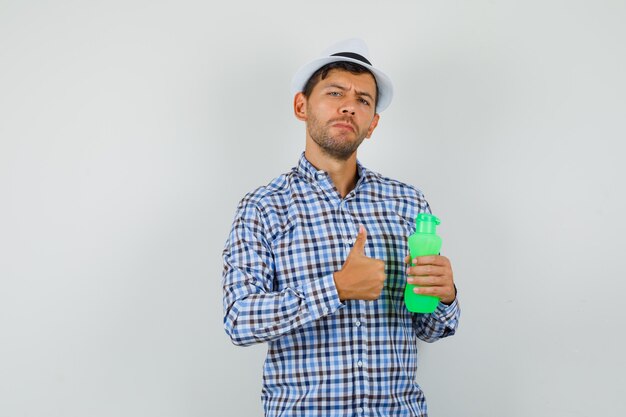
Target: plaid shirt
<point>327,357</point>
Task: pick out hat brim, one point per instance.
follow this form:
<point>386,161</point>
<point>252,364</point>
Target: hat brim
<point>385,87</point>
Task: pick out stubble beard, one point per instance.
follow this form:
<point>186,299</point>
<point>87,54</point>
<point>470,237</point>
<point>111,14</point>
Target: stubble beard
<point>337,147</point>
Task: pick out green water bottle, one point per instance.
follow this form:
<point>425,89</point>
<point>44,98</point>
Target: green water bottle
<point>422,243</point>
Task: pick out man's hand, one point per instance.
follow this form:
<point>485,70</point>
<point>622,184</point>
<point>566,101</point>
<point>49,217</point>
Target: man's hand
<point>434,276</point>
<point>360,277</point>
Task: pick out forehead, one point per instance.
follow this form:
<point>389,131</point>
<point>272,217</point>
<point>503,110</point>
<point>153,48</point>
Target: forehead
<point>363,82</point>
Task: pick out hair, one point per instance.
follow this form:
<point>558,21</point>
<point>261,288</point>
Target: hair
<point>322,73</point>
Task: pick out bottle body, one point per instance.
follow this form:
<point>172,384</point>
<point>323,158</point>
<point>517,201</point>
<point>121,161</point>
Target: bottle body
<point>421,244</point>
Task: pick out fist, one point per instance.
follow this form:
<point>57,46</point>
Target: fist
<point>360,277</point>
<point>433,275</point>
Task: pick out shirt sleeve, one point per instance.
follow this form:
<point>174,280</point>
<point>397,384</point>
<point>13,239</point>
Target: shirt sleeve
<point>441,323</point>
<point>253,311</point>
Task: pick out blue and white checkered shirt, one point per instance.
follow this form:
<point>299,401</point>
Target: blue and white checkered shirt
<point>327,357</point>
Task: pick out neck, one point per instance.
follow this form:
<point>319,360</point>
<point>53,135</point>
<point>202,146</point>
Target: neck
<point>342,173</point>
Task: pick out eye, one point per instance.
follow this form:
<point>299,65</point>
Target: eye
<point>362,100</point>
<point>334,93</point>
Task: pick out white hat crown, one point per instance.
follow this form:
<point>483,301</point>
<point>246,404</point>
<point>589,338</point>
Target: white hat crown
<point>354,45</point>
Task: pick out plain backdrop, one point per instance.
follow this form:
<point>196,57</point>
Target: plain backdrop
<point>129,131</point>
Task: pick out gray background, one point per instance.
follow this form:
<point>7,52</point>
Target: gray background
<point>130,130</point>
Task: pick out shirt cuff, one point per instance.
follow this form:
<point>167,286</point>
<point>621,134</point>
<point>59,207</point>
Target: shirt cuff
<point>448,313</point>
<point>321,297</point>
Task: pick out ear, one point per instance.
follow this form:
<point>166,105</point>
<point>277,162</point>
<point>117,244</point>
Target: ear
<point>299,106</point>
<point>373,125</point>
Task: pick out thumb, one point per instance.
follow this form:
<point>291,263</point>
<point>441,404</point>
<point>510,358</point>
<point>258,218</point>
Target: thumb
<point>359,243</point>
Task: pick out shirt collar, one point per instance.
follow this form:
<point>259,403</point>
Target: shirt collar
<point>313,175</point>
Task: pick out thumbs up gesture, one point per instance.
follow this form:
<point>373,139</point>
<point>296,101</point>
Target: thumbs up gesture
<point>360,277</point>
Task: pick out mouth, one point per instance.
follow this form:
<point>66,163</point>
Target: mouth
<point>344,125</point>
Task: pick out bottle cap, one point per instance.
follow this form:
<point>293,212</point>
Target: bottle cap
<point>426,223</point>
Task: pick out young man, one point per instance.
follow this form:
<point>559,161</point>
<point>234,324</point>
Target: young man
<point>316,262</point>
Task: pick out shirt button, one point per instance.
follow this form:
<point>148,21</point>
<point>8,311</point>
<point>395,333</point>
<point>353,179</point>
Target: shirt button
<point>360,363</point>
<point>360,410</point>
<point>326,310</point>
<point>357,323</point>
<point>320,175</point>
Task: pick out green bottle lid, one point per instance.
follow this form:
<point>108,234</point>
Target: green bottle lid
<point>426,223</point>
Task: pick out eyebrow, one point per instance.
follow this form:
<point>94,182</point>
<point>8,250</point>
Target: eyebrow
<point>359,93</point>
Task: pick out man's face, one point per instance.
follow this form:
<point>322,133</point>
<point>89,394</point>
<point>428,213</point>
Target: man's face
<point>340,112</point>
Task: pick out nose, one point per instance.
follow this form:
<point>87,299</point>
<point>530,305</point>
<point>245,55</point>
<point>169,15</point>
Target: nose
<point>347,109</point>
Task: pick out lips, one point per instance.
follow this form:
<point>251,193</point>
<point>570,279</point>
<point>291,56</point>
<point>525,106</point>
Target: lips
<point>344,125</point>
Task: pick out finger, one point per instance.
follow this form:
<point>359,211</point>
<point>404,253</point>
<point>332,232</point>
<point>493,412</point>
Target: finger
<point>428,269</point>
<point>434,291</point>
<point>431,260</point>
<point>429,281</point>
<point>380,265</point>
<point>445,294</point>
<point>359,243</point>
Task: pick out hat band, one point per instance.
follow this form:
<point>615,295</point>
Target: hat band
<point>353,56</point>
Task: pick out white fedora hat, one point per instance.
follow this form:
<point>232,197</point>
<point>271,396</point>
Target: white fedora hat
<point>350,50</point>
